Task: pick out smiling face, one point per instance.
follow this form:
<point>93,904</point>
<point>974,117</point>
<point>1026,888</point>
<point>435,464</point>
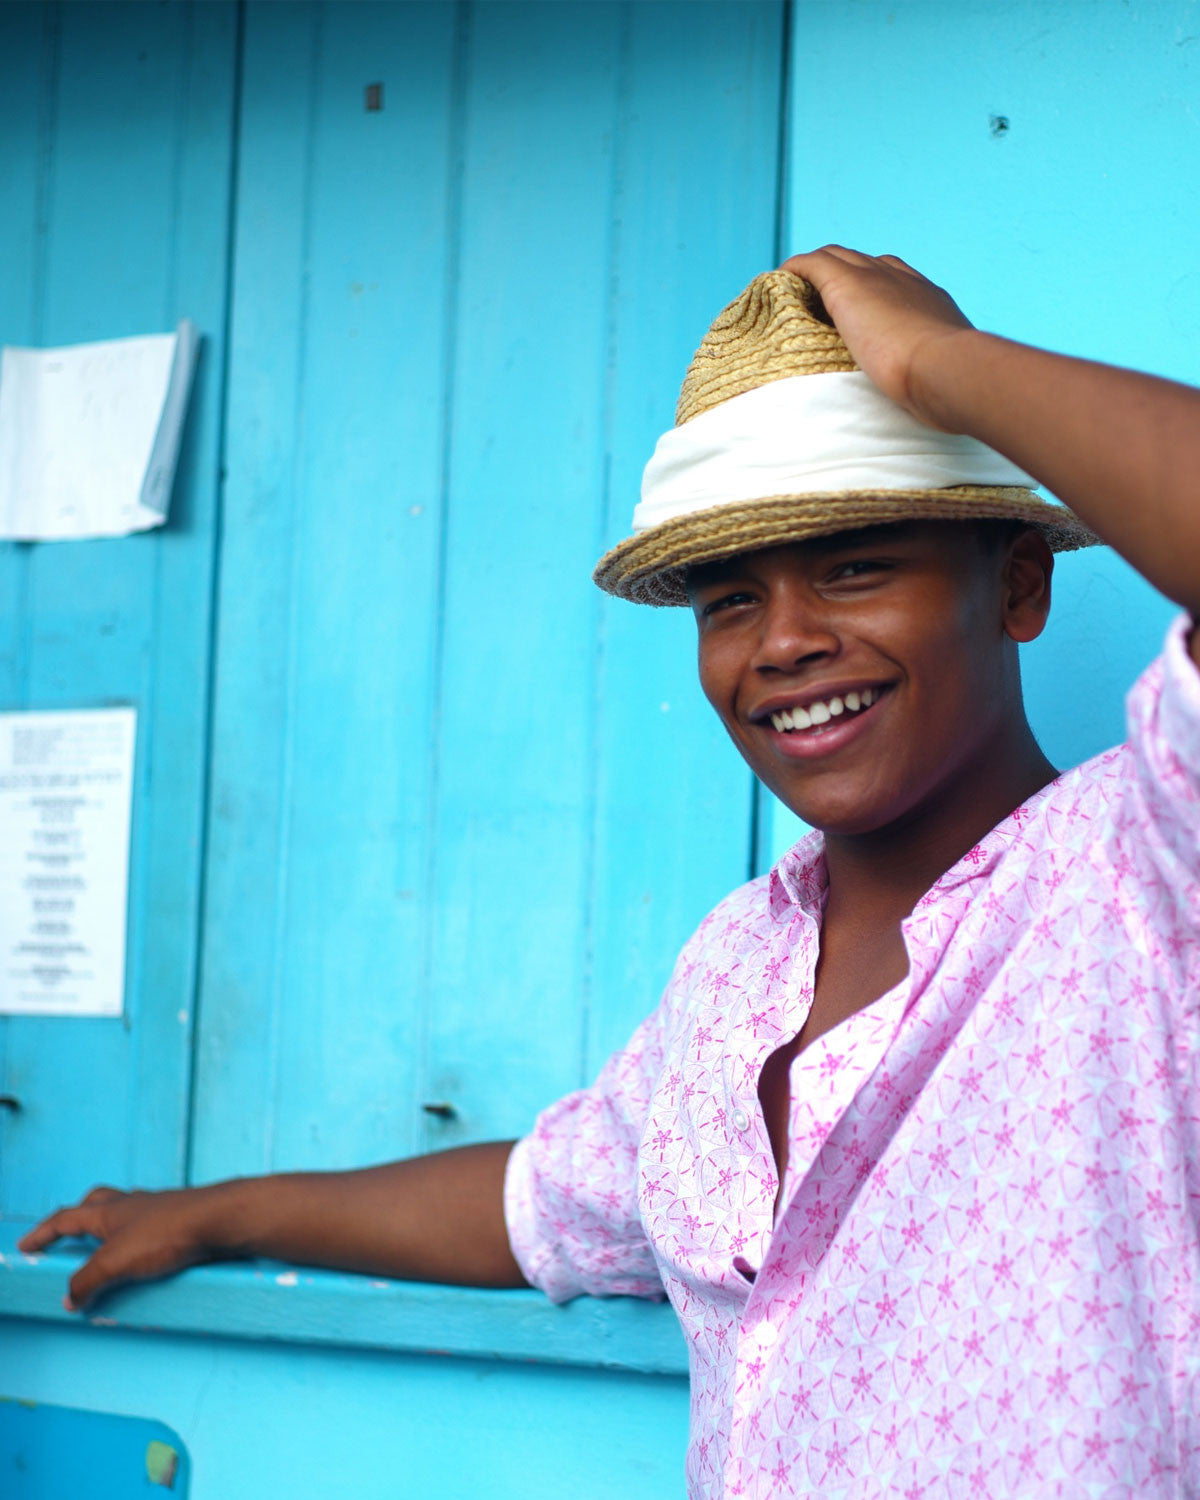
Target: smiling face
<point>868,676</point>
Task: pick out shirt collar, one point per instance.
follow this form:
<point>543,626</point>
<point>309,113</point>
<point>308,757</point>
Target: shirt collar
<point>980,860</point>
<point>799,877</point>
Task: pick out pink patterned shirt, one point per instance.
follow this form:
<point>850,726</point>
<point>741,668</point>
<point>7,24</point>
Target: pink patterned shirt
<point>984,1279</point>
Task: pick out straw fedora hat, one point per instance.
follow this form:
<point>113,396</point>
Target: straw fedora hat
<point>780,437</point>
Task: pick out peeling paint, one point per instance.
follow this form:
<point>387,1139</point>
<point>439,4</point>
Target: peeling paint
<point>162,1463</point>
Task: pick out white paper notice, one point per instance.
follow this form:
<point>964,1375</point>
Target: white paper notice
<point>66,790</point>
<point>90,434</point>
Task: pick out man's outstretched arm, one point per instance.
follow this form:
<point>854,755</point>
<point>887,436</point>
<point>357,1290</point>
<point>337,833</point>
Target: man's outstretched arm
<point>432,1218</point>
<point>1120,448</point>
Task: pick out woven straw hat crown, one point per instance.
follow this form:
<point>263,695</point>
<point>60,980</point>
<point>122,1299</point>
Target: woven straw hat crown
<point>777,328</point>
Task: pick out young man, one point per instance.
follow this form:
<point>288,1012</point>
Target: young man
<point>912,1140</point>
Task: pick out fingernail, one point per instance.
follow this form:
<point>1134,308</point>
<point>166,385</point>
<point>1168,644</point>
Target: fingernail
<point>68,1304</point>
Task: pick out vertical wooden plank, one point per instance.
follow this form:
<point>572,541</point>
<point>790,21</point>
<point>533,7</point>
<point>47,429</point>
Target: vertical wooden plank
<point>310,1010</point>
<point>1058,214</point>
<point>507,960</point>
<point>175,723</point>
<point>134,236</point>
<point>418,742</point>
<point>695,199</point>
<point>28,79</point>
<point>263,446</point>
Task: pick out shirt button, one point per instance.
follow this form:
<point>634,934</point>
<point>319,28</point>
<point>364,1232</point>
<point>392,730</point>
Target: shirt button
<point>740,1119</point>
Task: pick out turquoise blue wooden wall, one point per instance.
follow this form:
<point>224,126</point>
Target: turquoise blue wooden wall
<point>420,817</point>
<point>116,126</point>
<point>444,771</point>
<point>405,778</point>
<point>1040,161</point>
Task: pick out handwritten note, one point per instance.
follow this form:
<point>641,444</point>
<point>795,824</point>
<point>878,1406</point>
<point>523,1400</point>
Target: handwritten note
<point>66,784</point>
<point>90,434</point>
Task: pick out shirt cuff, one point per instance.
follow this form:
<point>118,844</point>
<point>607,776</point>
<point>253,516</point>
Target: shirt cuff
<point>531,1253</point>
<point>1179,709</point>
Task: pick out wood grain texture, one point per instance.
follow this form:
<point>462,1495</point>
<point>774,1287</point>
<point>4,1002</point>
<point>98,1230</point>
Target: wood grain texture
<point>119,226</point>
<point>322,769</point>
<point>439,754</point>
<point>1045,179</point>
<point>313,1420</point>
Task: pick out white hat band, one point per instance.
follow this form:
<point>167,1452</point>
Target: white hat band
<point>808,434</point>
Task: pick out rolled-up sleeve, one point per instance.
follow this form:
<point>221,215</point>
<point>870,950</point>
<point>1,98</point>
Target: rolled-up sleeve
<point>1163,712</point>
<point>570,1193</point>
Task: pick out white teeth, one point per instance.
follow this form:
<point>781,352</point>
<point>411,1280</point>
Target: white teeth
<point>821,713</point>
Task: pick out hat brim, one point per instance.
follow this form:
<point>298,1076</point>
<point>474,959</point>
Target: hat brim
<point>650,568</point>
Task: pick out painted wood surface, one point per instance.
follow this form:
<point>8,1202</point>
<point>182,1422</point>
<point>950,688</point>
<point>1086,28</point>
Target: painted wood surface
<point>431,741</point>
<point>262,1421</point>
<point>464,809</point>
<point>116,124</point>
<point>1039,162</point>
<point>50,1452</point>
<point>266,1301</point>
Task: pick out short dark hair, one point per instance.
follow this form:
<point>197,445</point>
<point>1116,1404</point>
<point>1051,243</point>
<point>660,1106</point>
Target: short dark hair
<point>994,535</point>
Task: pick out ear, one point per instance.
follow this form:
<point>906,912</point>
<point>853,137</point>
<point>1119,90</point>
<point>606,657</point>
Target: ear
<point>1028,566</point>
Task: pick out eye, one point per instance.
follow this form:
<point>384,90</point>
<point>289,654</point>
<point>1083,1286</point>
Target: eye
<point>858,567</point>
<point>725,601</point>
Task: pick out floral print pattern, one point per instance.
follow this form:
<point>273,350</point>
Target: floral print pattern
<point>984,1277</point>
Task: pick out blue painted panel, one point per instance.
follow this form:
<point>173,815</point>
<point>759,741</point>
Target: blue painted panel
<point>595,136</point>
<point>672,800</point>
<point>117,212</point>
<point>62,1453</point>
<point>1038,161</point>
<point>515,758</point>
<point>263,1300</point>
<point>459,323</point>
<point>266,1421</point>
<point>27,66</point>
<point>321,761</point>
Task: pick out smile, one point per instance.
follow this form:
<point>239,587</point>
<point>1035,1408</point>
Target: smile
<point>821,727</point>
<point>823,711</point>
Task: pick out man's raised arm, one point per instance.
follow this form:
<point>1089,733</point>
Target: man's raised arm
<point>432,1218</point>
<point>1120,448</point>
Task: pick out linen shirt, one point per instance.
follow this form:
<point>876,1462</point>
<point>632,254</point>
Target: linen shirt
<point>984,1275</point>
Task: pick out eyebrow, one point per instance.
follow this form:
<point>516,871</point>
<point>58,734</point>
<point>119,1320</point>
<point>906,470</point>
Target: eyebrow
<point>720,568</point>
<point>865,536</point>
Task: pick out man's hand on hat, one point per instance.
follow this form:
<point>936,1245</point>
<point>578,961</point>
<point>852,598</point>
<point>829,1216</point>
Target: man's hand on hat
<point>889,315</point>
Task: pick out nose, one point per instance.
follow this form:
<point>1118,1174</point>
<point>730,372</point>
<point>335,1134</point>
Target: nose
<point>795,632</point>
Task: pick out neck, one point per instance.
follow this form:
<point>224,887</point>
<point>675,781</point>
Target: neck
<point>876,878</point>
